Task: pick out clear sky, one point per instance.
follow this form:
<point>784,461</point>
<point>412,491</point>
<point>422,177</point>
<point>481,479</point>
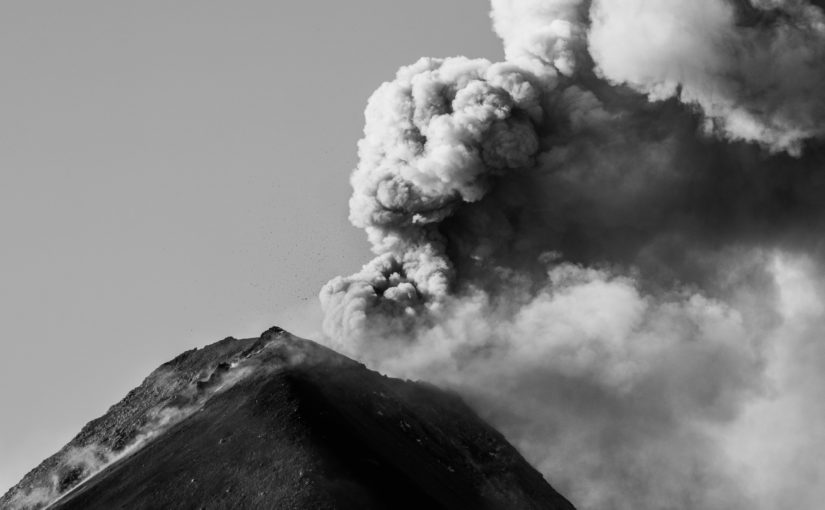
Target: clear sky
<point>172,173</point>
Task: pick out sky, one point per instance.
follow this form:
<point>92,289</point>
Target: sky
<point>175,173</point>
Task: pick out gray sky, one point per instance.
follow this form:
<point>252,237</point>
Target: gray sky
<point>175,172</point>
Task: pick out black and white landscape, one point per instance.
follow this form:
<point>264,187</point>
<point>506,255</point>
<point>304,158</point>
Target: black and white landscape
<point>596,263</point>
<point>281,422</point>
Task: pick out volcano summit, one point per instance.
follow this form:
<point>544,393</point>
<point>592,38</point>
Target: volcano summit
<point>281,422</point>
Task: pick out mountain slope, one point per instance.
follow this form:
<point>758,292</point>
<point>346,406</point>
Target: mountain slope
<point>281,422</point>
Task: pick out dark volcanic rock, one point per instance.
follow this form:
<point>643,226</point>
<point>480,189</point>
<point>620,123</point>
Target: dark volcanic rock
<point>281,422</point>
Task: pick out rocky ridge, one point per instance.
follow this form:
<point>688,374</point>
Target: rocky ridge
<point>282,422</point>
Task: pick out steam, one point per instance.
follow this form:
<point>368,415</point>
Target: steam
<point>611,245</point>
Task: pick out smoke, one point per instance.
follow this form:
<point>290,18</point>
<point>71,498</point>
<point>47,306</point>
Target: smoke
<point>630,400</point>
<point>76,464</point>
<point>435,140</point>
<point>611,245</point>
<point>752,67</point>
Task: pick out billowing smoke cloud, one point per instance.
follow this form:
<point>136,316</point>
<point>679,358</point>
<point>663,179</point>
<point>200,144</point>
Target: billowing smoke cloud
<point>611,244</point>
<point>753,67</point>
<point>436,139</point>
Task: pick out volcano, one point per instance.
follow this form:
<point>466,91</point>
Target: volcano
<point>282,422</point>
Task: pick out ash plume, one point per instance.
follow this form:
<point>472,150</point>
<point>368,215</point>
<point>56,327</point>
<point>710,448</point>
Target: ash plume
<point>611,243</point>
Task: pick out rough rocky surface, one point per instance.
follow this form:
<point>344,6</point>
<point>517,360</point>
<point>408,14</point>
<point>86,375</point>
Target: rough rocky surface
<point>281,422</point>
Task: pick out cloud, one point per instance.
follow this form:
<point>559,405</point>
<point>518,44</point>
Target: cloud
<point>601,242</point>
<point>753,68</point>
